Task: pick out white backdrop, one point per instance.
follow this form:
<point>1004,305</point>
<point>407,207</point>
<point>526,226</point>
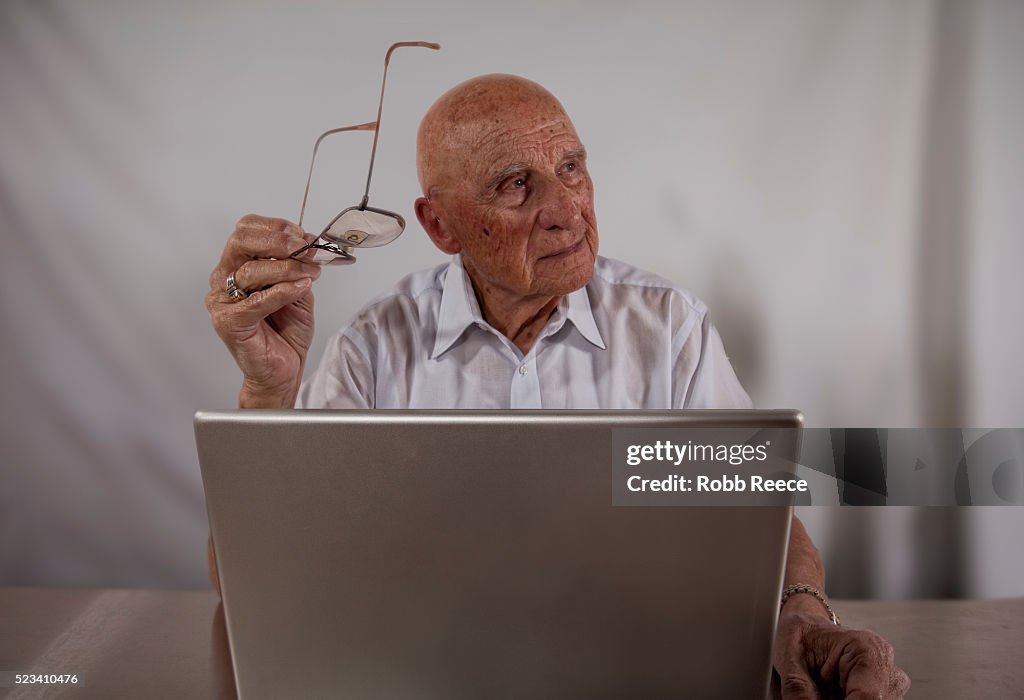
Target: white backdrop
<point>838,181</point>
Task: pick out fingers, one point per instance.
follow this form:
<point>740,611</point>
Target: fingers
<point>812,656</point>
<point>865,666</point>
<point>258,237</point>
<point>259,274</point>
<point>872,678</point>
<point>258,305</point>
<point>797,684</point>
<point>900,684</point>
<point>240,317</point>
<point>261,279</point>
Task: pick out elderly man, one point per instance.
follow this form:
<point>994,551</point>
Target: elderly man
<point>526,315</point>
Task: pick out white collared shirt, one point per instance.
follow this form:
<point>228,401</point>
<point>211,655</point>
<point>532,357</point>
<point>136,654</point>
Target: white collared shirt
<point>628,339</point>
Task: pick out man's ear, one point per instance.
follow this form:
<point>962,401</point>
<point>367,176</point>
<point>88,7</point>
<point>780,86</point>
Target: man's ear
<point>437,231</point>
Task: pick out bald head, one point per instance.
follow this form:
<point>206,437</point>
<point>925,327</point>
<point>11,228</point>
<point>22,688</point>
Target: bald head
<point>466,117</point>
<point>506,187</point>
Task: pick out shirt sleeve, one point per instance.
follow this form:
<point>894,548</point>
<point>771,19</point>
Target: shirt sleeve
<point>703,376</point>
<point>345,376</point>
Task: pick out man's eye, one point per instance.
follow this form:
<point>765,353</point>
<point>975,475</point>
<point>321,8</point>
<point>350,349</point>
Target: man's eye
<point>513,183</point>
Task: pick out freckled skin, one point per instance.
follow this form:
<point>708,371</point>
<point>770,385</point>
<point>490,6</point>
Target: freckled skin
<point>505,183</point>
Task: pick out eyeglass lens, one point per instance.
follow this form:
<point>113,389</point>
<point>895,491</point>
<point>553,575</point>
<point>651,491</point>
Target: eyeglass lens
<point>364,228</point>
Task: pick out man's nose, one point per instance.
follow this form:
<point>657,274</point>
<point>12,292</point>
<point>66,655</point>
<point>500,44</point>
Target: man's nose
<point>559,209</point>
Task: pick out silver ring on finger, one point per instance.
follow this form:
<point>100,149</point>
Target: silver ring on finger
<point>233,290</point>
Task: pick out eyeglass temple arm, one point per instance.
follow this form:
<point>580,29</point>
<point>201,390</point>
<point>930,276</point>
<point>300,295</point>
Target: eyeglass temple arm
<point>380,106</point>
<point>368,126</point>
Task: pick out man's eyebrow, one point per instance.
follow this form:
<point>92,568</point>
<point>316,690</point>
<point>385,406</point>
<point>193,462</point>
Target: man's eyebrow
<point>500,176</point>
<point>575,154</point>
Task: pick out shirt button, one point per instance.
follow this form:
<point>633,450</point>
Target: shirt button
<point>523,369</point>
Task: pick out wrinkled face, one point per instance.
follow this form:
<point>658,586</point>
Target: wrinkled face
<point>520,202</point>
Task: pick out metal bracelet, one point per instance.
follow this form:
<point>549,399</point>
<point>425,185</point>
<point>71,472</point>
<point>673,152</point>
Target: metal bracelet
<point>790,591</point>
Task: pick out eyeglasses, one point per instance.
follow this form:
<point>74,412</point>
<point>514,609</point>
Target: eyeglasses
<point>361,226</point>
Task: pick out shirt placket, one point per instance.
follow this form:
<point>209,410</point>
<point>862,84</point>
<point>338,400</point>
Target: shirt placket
<point>525,390</point>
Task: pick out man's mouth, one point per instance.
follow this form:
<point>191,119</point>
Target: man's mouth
<point>567,251</point>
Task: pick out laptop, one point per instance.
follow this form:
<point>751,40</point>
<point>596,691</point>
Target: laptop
<point>471,554</point>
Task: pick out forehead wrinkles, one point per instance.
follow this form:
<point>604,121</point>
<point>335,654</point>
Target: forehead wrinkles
<point>540,142</point>
<point>518,135</point>
<point>475,112</point>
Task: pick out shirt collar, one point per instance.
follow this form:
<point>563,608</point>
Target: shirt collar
<point>460,310</point>
<point>582,316</point>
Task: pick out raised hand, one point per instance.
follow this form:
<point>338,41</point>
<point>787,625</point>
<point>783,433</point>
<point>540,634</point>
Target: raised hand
<point>267,325</point>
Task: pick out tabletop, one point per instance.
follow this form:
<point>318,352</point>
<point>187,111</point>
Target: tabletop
<point>173,644</point>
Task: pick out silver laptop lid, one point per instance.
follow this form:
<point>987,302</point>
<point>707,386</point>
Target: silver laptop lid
<point>457,554</point>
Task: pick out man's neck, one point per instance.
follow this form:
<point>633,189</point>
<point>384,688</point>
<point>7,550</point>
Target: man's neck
<point>519,319</point>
